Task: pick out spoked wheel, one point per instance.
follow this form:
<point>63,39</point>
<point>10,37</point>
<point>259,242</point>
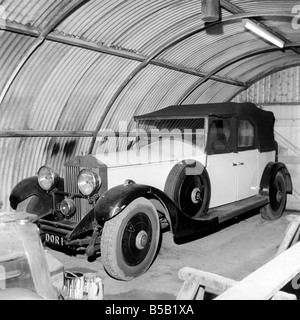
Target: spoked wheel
<point>278,196</point>
<point>130,240</point>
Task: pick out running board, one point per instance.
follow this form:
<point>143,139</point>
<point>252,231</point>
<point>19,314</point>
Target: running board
<point>229,211</point>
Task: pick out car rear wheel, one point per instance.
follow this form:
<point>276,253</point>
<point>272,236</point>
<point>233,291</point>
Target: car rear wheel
<point>278,197</point>
<point>190,192</point>
<point>130,240</point>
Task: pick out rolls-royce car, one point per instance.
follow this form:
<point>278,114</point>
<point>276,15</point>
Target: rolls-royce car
<point>188,169</point>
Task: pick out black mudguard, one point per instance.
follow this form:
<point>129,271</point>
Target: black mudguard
<point>116,199</point>
<point>269,174</point>
<point>30,187</point>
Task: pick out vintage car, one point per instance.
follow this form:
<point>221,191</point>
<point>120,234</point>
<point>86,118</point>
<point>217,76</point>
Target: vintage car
<point>190,167</point>
<point>24,271</point>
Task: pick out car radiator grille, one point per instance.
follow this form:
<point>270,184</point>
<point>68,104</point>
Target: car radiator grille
<point>82,205</point>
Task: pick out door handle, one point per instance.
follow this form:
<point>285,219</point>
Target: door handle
<point>238,164</point>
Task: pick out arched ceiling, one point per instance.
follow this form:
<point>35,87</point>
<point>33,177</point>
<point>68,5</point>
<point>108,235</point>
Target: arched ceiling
<point>72,68</point>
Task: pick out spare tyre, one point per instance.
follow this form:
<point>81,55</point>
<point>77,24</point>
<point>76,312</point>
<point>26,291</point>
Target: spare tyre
<point>191,193</point>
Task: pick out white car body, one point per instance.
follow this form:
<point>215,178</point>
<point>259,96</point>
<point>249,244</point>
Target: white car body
<point>152,164</point>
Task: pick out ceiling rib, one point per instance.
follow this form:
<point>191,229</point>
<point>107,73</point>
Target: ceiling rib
<point>42,35</point>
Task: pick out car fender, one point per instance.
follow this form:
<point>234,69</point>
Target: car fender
<point>110,204</point>
<point>30,187</point>
<point>269,173</point>
<point>115,200</point>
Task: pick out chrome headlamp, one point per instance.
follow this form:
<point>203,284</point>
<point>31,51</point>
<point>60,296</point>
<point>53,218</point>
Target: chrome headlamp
<point>88,182</point>
<point>47,178</point>
<point>68,208</point>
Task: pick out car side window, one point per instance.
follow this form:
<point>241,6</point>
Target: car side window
<point>246,134</point>
<point>219,136</point>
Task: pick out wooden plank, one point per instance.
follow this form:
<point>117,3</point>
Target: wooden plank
<point>201,293</point>
<point>296,237</point>
<point>213,283</point>
<point>69,134</point>
<point>43,134</point>
<point>201,281</point>
<point>189,288</point>
<point>284,296</point>
<point>290,233</point>
<point>265,282</point>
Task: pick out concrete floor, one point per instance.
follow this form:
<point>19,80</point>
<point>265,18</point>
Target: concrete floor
<point>235,250</point>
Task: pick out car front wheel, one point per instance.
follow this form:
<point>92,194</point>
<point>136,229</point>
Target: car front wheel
<point>277,196</point>
<point>130,240</point>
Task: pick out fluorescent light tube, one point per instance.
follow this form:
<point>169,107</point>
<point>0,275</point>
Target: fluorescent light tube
<point>250,25</point>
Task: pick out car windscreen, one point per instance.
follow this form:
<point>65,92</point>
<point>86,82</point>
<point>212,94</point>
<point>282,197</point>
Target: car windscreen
<point>187,130</point>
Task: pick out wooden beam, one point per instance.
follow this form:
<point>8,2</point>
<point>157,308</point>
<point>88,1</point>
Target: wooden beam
<point>280,295</point>
<point>190,287</point>
<point>197,73</point>
<point>19,28</point>
<point>63,134</point>
<point>14,27</point>
<point>196,282</point>
<point>291,233</point>
<point>265,282</point>
<point>43,134</point>
<point>136,57</point>
<point>76,42</point>
<point>213,283</point>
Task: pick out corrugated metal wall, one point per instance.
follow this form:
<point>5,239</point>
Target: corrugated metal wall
<point>280,93</point>
<point>70,68</point>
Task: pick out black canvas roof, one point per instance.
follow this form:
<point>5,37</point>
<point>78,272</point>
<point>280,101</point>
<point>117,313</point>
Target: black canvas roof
<point>263,120</point>
<point>200,110</point>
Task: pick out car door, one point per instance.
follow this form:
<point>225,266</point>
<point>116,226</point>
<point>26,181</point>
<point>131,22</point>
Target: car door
<point>247,160</point>
<point>221,161</point>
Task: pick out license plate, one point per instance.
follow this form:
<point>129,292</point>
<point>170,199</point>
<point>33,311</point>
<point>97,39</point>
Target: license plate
<point>55,240</point>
